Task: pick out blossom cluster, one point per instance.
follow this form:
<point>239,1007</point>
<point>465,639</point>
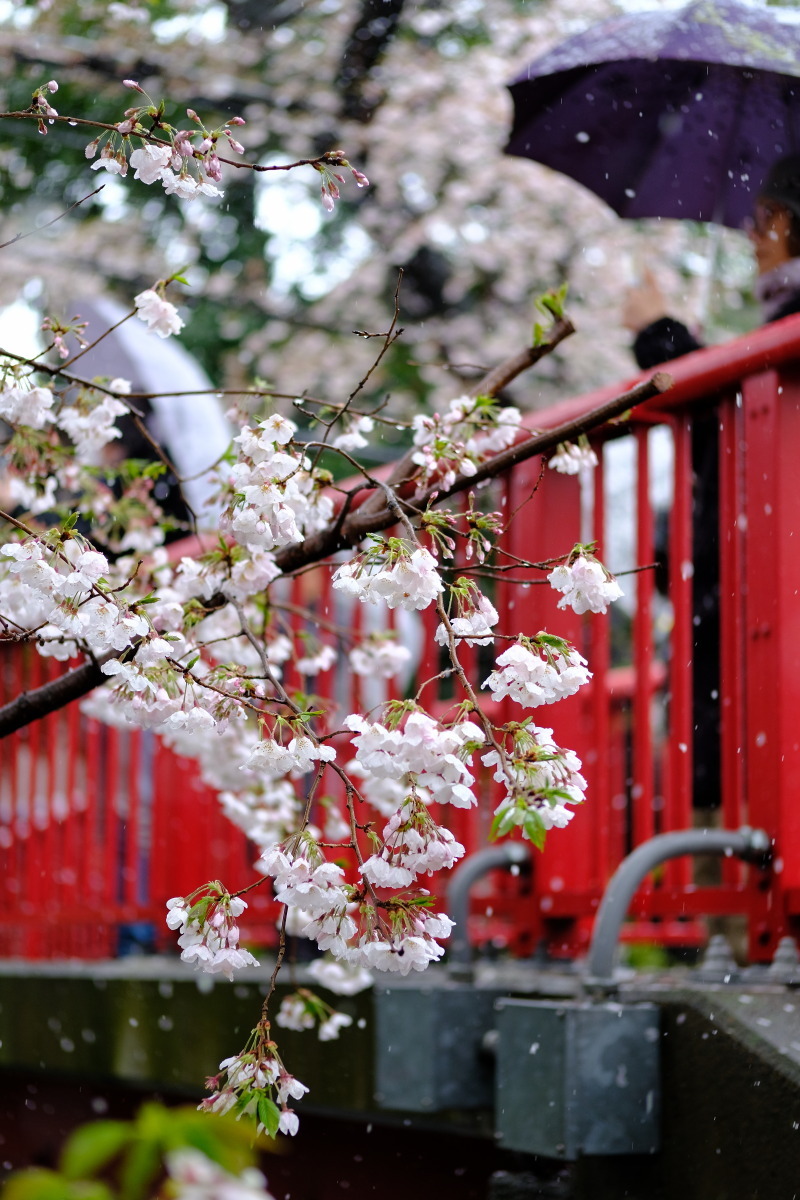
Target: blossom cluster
<point>402,578</point>
<point>194,1176</point>
<point>539,670</point>
<point>423,751</point>
<point>209,937</point>
<point>586,584</point>
<point>330,167</point>
<point>379,657</point>
<point>399,937</point>
<point>303,1009</point>
<point>454,442</point>
<point>571,458</point>
<point>540,778</point>
<point>168,162</point>
<point>276,498</point>
<point>186,162</point>
<point>413,844</point>
<point>257,1084</point>
<point>57,587</point>
<point>88,420</point>
<point>477,617</point>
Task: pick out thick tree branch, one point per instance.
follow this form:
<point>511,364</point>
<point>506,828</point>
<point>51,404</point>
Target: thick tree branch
<point>374,28</point>
<point>30,706</point>
<point>363,521</point>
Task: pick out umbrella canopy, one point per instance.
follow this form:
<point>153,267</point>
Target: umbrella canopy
<point>667,114</point>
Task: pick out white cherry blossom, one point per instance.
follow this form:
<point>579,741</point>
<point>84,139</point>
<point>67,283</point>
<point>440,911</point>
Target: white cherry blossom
<point>586,585</point>
<point>158,314</point>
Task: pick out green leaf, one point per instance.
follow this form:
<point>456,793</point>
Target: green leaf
<point>37,1184</point>
<point>141,1167</point>
<point>269,1115</point>
<point>503,823</point>
<point>221,1138</point>
<point>91,1147</point>
<point>533,827</point>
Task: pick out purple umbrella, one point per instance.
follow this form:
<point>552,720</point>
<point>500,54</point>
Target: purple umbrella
<point>667,114</point>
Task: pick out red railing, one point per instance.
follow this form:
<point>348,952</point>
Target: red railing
<point>99,826</point>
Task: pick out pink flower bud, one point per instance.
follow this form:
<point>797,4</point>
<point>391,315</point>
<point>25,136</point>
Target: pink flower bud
<point>91,149</point>
<point>327,202</point>
<point>52,86</point>
<point>126,126</point>
<point>213,167</point>
<point>192,115</point>
<point>131,83</point>
<point>236,121</point>
<point>237,147</point>
<point>360,178</point>
<point>205,145</point>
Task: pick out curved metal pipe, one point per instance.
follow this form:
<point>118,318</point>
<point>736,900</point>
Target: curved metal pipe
<point>752,845</point>
<point>508,854</point>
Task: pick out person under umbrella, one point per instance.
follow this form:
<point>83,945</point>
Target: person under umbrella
<point>775,235</point>
<point>774,231</point>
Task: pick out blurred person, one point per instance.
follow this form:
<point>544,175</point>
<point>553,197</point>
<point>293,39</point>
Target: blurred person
<point>774,232</point>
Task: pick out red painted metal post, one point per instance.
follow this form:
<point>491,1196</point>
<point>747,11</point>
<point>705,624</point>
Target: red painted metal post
<point>678,814</point>
<point>732,537</point>
<point>771,406</point>
<point>642,791</point>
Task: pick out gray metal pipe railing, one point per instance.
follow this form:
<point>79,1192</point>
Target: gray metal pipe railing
<point>752,845</point>
<point>493,858</point>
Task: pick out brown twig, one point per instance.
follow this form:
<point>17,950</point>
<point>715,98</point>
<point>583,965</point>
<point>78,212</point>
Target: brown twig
<point>47,224</point>
<point>491,383</point>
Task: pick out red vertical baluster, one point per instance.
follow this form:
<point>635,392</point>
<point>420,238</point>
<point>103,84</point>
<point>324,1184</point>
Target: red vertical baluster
<point>93,816</point>
<point>73,820</point>
<point>133,831</point>
<point>772,623</point>
<point>678,814</point>
<point>643,816</point>
<point>37,890</point>
<point>604,750</point>
<point>732,633</point>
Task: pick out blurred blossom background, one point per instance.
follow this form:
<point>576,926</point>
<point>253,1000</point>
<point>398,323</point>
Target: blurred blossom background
<point>414,92</point>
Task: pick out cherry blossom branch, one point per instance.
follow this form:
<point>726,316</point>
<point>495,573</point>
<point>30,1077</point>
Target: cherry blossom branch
<point>148,136</point>
<point>342,534</point>
<point>363,520</point>
<point>137,414</point>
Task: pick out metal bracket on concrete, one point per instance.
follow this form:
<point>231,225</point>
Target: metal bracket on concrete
<point>429,1047</point>
<point>577,1078</point>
